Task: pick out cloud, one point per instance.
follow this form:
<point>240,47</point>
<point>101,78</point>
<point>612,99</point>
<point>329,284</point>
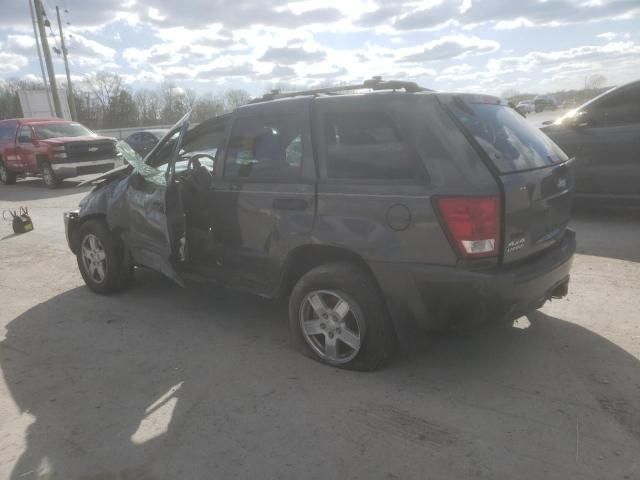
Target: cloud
<point>451,47</point>
<point>240,70</point>
<point>504,14</point>
<point>292,55</point>
<point>11,62</point>
<point>87,52</point>
<point>21,44</point>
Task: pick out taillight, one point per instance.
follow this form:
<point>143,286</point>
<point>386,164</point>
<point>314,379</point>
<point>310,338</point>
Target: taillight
<point>473,224</point>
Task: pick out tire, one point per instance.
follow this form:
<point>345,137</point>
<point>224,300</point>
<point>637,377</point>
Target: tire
<point>6,177</point>
<point>96,244</point>
<point>366,318</point>
<point>48,175</point>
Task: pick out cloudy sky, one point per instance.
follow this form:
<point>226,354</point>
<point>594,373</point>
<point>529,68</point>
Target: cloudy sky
<point>211,45</point>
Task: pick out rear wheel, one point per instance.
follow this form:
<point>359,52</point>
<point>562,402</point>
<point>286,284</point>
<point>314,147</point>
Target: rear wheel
<point>6,177</point>
<point>337,316</point>
<point>103,261</point>
<point>48,175</point>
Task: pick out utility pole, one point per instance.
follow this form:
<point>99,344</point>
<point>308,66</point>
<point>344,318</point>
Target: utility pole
<point>35,34</point>
<point>47,58</point>
<point>72,103</point>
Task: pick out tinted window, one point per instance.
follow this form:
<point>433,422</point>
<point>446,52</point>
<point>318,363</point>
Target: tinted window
<point>7,133</point>
<point>366,145</point>
<point>55,130</point>
<point>618,108</point>
<point>265,146</point>
<point>511,142</point>
<point>25,135</point>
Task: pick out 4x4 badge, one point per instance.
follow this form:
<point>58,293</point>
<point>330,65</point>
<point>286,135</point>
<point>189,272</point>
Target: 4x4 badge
<point>562,183</point>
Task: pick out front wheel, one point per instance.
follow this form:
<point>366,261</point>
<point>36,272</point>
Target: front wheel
<point>49,176</point>
<point>337,316</point>
<point>103,261</point>
<point>6,177</point>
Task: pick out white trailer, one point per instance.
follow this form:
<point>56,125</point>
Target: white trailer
<point>35,103</point>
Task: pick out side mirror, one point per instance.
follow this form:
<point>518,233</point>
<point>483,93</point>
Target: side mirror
<point>581,120</point>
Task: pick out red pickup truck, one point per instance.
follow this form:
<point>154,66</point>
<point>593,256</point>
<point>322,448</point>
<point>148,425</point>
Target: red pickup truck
<point>53,148</point>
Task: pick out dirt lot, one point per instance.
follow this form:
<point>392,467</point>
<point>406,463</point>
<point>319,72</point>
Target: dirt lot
<point>169,383</point>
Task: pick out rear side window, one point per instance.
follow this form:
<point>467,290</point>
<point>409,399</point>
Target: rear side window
<point>367,145</point>
<point>511,142</point>
<point>265,147</point>
<point>7,133</point>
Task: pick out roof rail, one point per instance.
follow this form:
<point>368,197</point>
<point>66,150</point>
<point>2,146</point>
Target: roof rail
<point>374,83</point>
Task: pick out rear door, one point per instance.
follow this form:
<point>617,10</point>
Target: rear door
<point>535,176</point>
<point>263,193</point>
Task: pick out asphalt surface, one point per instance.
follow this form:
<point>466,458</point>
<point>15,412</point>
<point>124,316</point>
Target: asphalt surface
<point>168,383</point>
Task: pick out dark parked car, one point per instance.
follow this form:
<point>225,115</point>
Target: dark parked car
<point>604,137</point>
<point>545,102</point>
<point>374,213</point>
<point>144,141</point>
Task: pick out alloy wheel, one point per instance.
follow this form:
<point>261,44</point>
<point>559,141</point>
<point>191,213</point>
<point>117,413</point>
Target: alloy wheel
<point>331,326</point>
<point>94,258</point>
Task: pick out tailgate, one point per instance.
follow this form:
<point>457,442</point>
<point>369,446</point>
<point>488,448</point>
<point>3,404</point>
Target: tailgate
<point>536,210</point>
<point>535,175</point>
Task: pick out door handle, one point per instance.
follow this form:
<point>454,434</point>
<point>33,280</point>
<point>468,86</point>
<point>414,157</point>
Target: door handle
<point>290,204</point>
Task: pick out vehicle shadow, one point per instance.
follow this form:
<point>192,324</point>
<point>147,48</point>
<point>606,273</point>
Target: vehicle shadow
<point>607,232</point>
<point>162,382</point>
<point>34,189</point>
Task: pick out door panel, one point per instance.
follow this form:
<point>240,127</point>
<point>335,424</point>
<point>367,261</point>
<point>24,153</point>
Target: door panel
<point>610,160</point>
<point>150,214</point>
<point>265,202</point>
<point>25,150</point>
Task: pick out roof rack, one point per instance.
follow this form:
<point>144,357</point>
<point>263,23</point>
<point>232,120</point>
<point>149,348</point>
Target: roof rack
<point>374,83</point>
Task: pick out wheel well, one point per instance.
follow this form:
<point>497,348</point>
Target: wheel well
<point>74,228</point>
<point>307,257</point>
<point>41,159</point>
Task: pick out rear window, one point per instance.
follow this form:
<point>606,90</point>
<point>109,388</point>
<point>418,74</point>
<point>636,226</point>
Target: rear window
<point>7,132</point>
<point>367,145</point>
<point>511,142</point>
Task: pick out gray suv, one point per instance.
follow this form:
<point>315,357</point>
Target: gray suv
<point>375,214</point>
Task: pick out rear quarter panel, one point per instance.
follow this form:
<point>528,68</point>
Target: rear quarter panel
<point>394,221</point>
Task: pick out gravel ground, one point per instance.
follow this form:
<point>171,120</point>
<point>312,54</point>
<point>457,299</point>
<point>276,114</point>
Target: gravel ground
<point>165,383</point>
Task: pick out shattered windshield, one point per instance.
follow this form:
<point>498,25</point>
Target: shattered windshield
<point>156,171</point>
<point>150,173</point>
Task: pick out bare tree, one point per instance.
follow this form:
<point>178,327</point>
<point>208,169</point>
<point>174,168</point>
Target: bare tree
<point>594,81</point>
<point>206,107</point>
<point>234,98</point>
<point>149,106</point>
<point>104,86</point>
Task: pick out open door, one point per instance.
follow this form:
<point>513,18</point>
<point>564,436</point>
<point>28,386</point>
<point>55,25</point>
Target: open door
<point>151,210</point>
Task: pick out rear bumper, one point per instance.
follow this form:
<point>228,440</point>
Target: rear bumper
<point>429,296</point>
<point>74,169</point>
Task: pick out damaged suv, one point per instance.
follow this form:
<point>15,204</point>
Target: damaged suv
<point>374,213</point>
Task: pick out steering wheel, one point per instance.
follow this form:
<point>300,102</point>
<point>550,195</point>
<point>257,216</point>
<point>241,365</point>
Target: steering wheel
<point>199,156</point>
